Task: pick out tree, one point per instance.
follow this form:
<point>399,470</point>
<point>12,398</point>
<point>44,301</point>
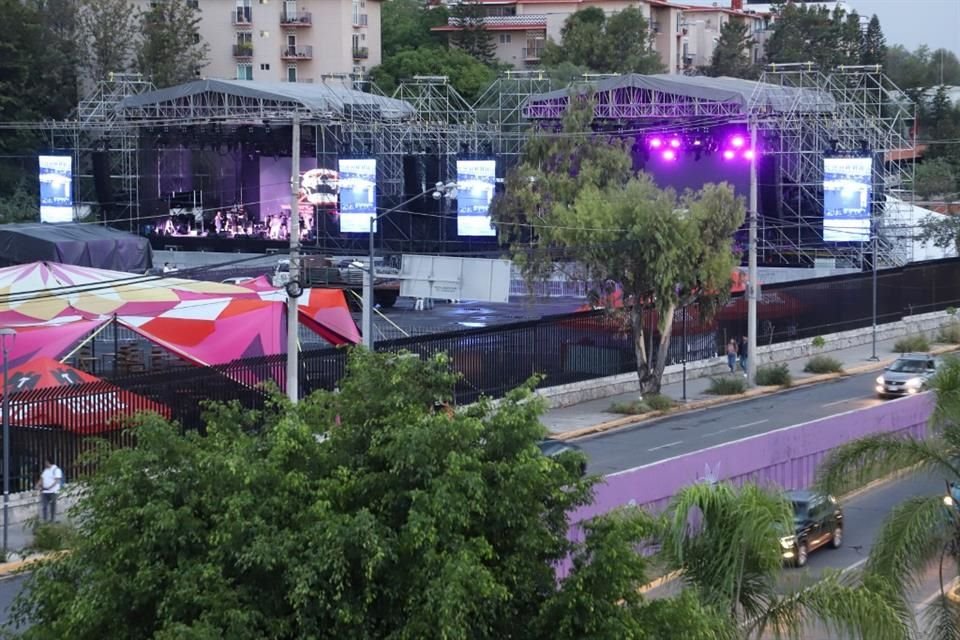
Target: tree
<point>467,74</point>
<point>920,530</point>
<point>874,47</point>
<point>21,205</point>
<point>934,178</point>
<point>473,37</point>
<point>731,57</point>
<point>407,24</point>
<point>804,33</point>
<point>576,195</point>
<point>732,559</point>
<point>620,43</point>
<point>99,23</point>
<point>171,51</point>
<point>406,520</point>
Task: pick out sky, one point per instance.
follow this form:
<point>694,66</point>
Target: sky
<point>935,23</point>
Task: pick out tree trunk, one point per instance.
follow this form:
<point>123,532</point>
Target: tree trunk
<point>650,377</point>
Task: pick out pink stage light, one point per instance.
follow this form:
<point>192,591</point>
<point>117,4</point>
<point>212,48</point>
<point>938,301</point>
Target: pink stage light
<point>669,155</point>
<point>729,154</point>
<point>749,154</point>
<point>675,143</point>
<point>737,141</point>
<point>656,143</point>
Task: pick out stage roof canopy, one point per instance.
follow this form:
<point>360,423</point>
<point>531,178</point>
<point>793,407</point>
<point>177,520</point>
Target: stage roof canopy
<point>673,96</point>
<point>211,100</point>
<point>83,245</point>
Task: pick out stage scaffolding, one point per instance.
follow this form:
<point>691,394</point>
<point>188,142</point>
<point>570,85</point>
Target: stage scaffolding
<point>500,108</point>
<point>868,115</point>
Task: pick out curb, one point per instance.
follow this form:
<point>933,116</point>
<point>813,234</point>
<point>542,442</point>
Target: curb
<point>642,418</point>
<point>8,569</point>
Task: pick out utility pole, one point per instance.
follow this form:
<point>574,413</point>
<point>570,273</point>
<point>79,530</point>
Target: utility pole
<point>293,286</point>
<point>752,278</point>
<point>366,318</point>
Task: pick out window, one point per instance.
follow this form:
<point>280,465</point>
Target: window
<point>356,42</point>
<point>245,71</point>
<point>291,73</point>
<point>196,38</point>
<point>244,38</point>
<point>504,38</point>
<point>264,66</point>
<point>363,37</point>
<point>194,4</point>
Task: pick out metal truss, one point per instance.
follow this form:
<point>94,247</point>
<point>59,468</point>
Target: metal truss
<point>500,109</point>
<point>866,114</point>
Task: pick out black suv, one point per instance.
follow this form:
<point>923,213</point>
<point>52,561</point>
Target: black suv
<point>817,520</point>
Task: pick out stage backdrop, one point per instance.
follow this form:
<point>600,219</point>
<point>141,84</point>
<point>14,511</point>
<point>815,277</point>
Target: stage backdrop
<point>275,183</point>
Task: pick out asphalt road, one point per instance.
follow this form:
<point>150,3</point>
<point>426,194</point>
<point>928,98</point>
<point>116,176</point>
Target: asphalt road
<point>691,431</point>
<point>9,588</point>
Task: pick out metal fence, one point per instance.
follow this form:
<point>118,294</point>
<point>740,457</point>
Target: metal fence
<point>491,360</point>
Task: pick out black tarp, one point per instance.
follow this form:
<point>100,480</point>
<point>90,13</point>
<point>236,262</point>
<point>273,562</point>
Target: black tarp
<point>85,245</point>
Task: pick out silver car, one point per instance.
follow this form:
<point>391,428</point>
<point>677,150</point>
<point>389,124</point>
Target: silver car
<point>908,374</point>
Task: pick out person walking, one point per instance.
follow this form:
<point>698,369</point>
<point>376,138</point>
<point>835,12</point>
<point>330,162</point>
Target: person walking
<point>732,355</point>
<point>744,347</point>
<point>50,482</point>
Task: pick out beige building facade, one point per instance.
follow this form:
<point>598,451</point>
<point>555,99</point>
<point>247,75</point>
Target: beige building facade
<point>289,40</point>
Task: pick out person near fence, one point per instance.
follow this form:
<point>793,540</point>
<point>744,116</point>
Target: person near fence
<point>743,354</point>
<point>51,479</point>
<point>732,355</point>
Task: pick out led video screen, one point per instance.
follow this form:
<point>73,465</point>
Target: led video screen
<point>476,181</point>
<point>847,190</point>
<point>358,194</point>
<point>56,189</point>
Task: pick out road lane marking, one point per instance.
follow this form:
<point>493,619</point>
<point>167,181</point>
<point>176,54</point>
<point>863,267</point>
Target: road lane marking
<point>664,446</point>
<point>947,588</point>
<point>748,425</point>
<point>830,404</point>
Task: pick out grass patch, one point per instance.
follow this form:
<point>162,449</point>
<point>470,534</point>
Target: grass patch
<point>655,402</point>
<point>950,334</point>
<point>774,375</point>
<point>727,386</point>
<point>823,364</point>
<point>53,536</point>
<point>912,343</point>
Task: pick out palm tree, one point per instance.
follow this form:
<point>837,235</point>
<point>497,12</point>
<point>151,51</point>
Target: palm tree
<point>725,543</point>
<point>920,530</point>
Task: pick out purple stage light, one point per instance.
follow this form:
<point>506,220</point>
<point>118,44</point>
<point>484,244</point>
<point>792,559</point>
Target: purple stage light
<point>656,143</point>
<point>737,141</point>
<point>669,155</point>
<point>675,143</point>
<point>729,154</point>
<point>749,154</point>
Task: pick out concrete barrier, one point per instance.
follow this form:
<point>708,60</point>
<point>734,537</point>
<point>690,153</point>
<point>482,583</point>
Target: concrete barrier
<point>574,393</point>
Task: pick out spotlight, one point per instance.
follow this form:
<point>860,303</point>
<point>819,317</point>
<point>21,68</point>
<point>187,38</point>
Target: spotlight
<point>656,142</point>
<point>669,155</point>
<point>737,141</point>
<point>749,154</point>
<point>729,154</point>
<point>675,143</point>
<point>697,142</point>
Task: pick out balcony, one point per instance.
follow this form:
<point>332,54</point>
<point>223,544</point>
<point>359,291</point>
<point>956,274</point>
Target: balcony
<point>359,19</point>
<point>243,50</point>
<point>361,53</point>
<point>242,15</point>
<point>529,20</point>
<point>298,80</point>
<point>296,19</point>
<point>532,54</point>
<point>296,53</point>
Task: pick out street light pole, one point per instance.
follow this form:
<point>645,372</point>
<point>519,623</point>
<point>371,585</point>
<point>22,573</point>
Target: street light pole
<point>441,190</point>
<point>752,276</point>
<point>293,285</point>
<point>874,260</point>
<point>684,353</point>
<point>4,332</point>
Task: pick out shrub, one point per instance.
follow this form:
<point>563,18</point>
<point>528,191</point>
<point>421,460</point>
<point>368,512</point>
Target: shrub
<point>774,375</point>
<point>819,342</point>
<point>950,334</point>
<point>912,343</point>
<point>727,386</point>
<point>951,311</point>
<point>659,402</point>
<point>629,408</point>
<point>823,364</point>
<point>53,536</point>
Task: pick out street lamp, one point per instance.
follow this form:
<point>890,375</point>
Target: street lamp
<point>875,240</point>
<point>4,332</point>
<point>440,190</point>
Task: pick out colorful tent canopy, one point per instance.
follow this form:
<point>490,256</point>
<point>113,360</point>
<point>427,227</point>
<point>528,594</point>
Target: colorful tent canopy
<point>324,311</point>
<point>47,393</point>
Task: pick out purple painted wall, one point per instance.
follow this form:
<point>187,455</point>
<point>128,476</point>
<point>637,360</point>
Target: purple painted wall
<point>786,457</point>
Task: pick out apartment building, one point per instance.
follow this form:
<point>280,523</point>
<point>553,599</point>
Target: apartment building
<point>702,25</point>
<point>289,40</point>
<point>521,28</point>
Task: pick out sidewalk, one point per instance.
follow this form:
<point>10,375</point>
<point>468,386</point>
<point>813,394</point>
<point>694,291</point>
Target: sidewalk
<point>564,421</point>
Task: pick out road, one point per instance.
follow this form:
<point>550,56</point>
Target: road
<point>9,588</point>
<point>694,430</point>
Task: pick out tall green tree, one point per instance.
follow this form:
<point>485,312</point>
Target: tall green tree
<point>920,530</point>
<point>99,23</point>
<point>874,46</point>
<point>407,24</point>
<point>576,196</point>
<point>468,75</point>
<point>171,51</point>
<point>731,56</point>
<point>731,558</point>
<point>367,513</point>
<point>472,35</point>
<point>620,43</point>
<point>935,178</point>
<point>803,33</point>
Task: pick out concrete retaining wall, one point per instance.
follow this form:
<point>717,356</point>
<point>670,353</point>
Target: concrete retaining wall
<point>569,394</point>
<point>26,504</point>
